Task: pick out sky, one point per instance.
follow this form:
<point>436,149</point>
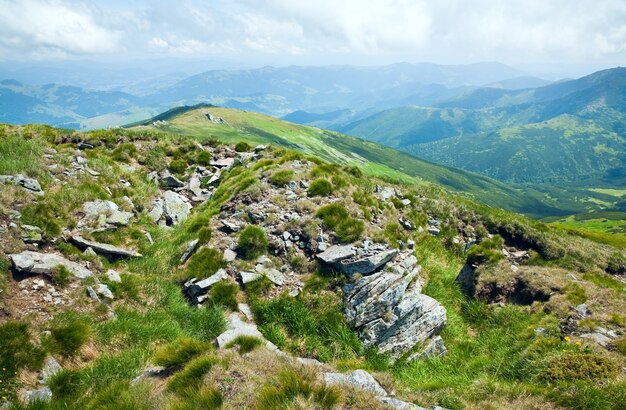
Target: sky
<point>527,33</point>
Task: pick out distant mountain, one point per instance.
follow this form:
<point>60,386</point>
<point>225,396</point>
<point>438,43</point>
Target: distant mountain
<point>519,83</point>
<point>571,131</point>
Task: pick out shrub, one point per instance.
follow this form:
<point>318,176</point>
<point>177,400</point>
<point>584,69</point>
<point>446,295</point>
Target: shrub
<point>61,276</point>
<point>292,385</point>
<point>320,187</point>
<point>66,383</point>
<point>204,158</point>
<point>350,230</point>
<point>578,366</point>
<point>225,294</point>
<point>242,146</point>
<point>354,171</point>
<point>281,178</point>
<point>178,166</point>
<point>191,377</point>
<point>43,216</point>
<point>246,343</point>
<point>204,235</point>
<point>69,337</point>
<point>252,242</point>
<point>332,215</point>
<point>179,352</point>
<point>18,351</point>
<point>258,288</point>
<point>205,263</point>
<point>616,264</point>
<point>576,294</point>
<point>325,170</point>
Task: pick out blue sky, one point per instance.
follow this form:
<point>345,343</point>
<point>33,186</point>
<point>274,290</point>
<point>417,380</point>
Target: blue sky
<point>256,32</point>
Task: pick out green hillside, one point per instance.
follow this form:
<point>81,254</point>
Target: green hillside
<point>374,159</point>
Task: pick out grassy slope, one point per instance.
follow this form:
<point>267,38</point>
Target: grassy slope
<point>373,158</point>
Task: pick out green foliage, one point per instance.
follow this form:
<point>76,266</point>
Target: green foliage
<point>488,251</point>
<point>121,395</point>
<point>291,386</point>
<point>204,235</point>
<point>66,383</point>
<point>620,345</point>
<point>191,377</point>
<point>589,396</point>
<point>68,336</point>
<point>225,294</point>
<point>205,263</point>
<point>282,177</point>
<point>350,230</point>
<point>246,343</point>
<point>252,242</point>
<point>242,146</point>
<point>178,166</point>
<point>179,352</point>
<point>314,324</point>
<point>61,276</point>
<point>43,216</point>
<point>124,152</point>
<point>354,171</point>
<point>616,264</point>
<point>320,187</point>
<point>204,158</point>
<point>332,214</point>
<point>258,288</point>
<point>155,159</point>
<point>20,155</point>
<point>325,169</point>
<point>18,351</point>
<point>576,294</point>
<point>209,398</point>
<point>572,366</point>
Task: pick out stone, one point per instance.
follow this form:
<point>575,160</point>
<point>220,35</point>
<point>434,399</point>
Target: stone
<point>40,395</point>
<point>406,202</point>
<point>93,209</point>
<point>195,290</point>
<point>260,148</point>
<point>223,163</point>
<point>336,253</point>
<point>304,184</point>
<point>157,210</point>
<point>307,361</point>
<point>30,184</point>
<point>599,338</point>
<point>246,311</point>
<point>235,328</point>
<point>46,263</point>
<point>384,193</point>
<point>191,248</point>
<point>582,310</point>
<point>365,265</point>
<point>229,255</point>
<point>91,293</point>
<point>104,291</point>
<point>103,248</point>
<point>84,146</point>
<point>149,372</point>
<point>434,230</point>
<point>31,234</point>
<point>247,277</point>
<point>194,186</point>
<point>90,252</point>
<point>50,368</point>
<point>358,378</point>
<point>274,275</point>
<point>119,218</point>
<point>434,348</point>
<point>396,404</point>
<point>230,226</point>
<point>113,276</point>
<point>170,181</point>
<point>175,208</point>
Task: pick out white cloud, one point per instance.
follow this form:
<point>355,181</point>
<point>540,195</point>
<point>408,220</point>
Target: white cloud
<point>40,28</point>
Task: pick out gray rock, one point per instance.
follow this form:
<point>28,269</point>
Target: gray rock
<point>247,277</point>
<point>40,395</point>
<point>384,193</point>
<point>30,184</point>
<point>194,186</point>
<point>154,371</point>
<point>31,234</point>
<point>175,208</point>
<point>196,291</point>
<point>367,264</point>
<point>358,378</point>
<point>119,218</point>
<point>170,181</point>
<point>582,310</point>
<point>93,209</point>
<point>104,291</point>
<point>229,255</point>
<point>406,202</point>
<point>91,293</point>
<point>599,338</point>
<point>191,248</point>
<point>246,311</point>
<point>113,276</point>
<point>235,328</point>
<point>230,226</point>
<point>396,404</point>
<point>46,263</point>
<point>260,148</point>
<point>309,362</point>
<point>304,184</point>
<point>275,276</point>
<point>336,253</point>
<point>434,230</point>
<point>90,252</point>
<point>50,368</point>
<point>435,347</point>
<point>157,210</point>
<point>223,163</point>
<point>104,248</point>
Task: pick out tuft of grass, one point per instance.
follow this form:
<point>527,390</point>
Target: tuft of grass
<point>121,395</point>
<point>178,166</point>
<point>350,230</point>
<point>225,294</point>
<point>242,146</point>
<point>252,242</point>
<point>209,398</point>
<point>335,216</point>
<point>292,386</point>
<point>18,351</point>
<point>320,187</point>
<point>205,263</point>
<point>20,155</point>
<point>246,343</point>
<point>204,235</point>
<point>191,377</point>
<point>620,345</point>
<point>67,383</point>
<point>488,251</point>
<point>68,337</point>
<point>572,366</point>
<point>332,214</point>
<point>282,177</point>
<point>61,276</point>
<point>179,352</point>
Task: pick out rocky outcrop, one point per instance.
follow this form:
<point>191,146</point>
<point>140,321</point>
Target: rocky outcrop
<point>46,263</point>
<point>364,260</point>
<point>103,248</point>
<point>29,184</point>
<point>102,214</point>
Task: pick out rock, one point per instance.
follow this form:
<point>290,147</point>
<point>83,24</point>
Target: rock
<point>230,226</point>
<point>30,184</point>
<point>195,291</point>
<point>275,276</point>
<point>175,208</point>
<point>260,148</point>
<point>358,378</point>
<point>170,181</point>
<point>599,338</point>
<point>103,248</point>
<point>149,372</point>
<point>90,252</point>
<point>128,202</point>
<point>91,293</point>
<point>247,277</point>
<point>93,209</point>
<point>104,291</point>
<point>191,248</point>
<point>582,310</point>
<point>435,347</point>
<point>367,264</point>
<point>113,276</point>
<point>194,186</point>
<point>247,312</point>
<point>229,255</point>
<point>31,234</point>
<point>84,146</point>
<point>223,163</point>
<point>148,237</point>
<point>46,263</point>
<point>406,202</point>
<point>396,404</point>
<point>51,368</point>
<point>157,210</point>
<point>119,218</point>
<point>336,253</point>
<point>309,362</point>
<point>434,230</point>
<point>235,328</point>
<point>40,395</point>
<point>384,193</point>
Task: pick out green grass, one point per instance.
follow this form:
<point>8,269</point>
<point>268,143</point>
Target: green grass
<point>179,352</point>
<point>68,337</point>
<point>20,155</point>
<point>246,344</point>
<point>252,242</point>
<point>191,377</point>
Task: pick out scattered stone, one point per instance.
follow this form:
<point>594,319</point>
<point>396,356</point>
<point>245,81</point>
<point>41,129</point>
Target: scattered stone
<point>260,148</point>
<point>92,294</point>
<point>396,404</point>
<point>247,277</point>
<point>170,181</point>
<point>46,263</point>
<point>223,163</point>
<point>230,226</point>
<point>104,248</point>
<point>336,253</point>
<point>274,275</point>
<point>599,338</point>
<point>247,312</point>
<point>157,210</point>
<point>104,291</point>
<point>229,255</point>
<point>31,234</point>
<point>113,276</point>
<point>582,310</point>
<point>196,291</point>
<point>148,237</point>
<point>90,252</point>
<point>40,395</point>
<point>358,378</point>
<point>433,230</point>
<point>236,327</point>
<point>175,208</point>
<point>84,146</point>
<point>191,248</point>
<point>51,368</point>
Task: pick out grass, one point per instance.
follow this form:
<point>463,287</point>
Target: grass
<point>224,294</point>
<point>246,344</point>
<point>320,187</point>
<point>191,377</point>
<point>20,155</point>
<point>179,352</point>
<point>252,242</point>
<point>282,177</point>
<point>68,336</point>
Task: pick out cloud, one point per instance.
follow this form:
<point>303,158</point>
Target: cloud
<point>40,28</point>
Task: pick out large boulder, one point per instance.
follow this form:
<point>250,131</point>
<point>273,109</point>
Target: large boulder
<point>46,263</point>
